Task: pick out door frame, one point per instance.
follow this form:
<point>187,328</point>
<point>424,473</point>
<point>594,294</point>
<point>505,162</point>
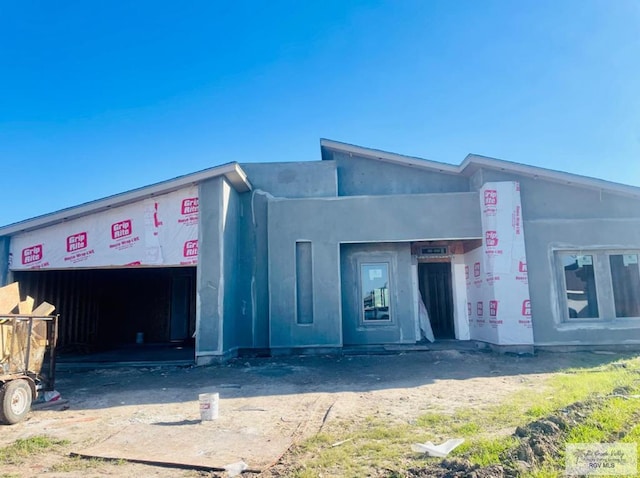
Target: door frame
<point>459,293</point>
<point>448,323</point>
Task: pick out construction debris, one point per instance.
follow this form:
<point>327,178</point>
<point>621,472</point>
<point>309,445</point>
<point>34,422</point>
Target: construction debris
<point>22,343</point>
<point>439,451</point>
<point>9,298</point>
<point>26,336</point>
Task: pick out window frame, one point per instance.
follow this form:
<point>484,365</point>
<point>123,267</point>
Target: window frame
<point>597,286</point>
<point>603,279</point>
<point>613,295</point>
<point>363,319</point>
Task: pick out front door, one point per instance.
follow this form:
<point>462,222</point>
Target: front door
<point>434,280</point>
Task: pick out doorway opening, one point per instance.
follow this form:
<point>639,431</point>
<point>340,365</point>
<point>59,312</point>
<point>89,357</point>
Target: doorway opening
<point>434,282</point>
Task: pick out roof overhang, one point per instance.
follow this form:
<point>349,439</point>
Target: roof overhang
<point>231,171</point>
<point>474,162</point>
<point>329,145</point>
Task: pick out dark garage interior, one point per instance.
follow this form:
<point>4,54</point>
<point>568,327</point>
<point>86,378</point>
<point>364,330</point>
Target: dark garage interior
<point>119,315</point>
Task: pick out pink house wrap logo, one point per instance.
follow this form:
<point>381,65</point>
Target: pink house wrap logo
<point>491,238</point>
<point>190,249</point>
<point>480,309</point>
<point>522,267</point>
<point>121,229</point>
<point>476,269</point>
<point>490,197</point>
<point>76,242</point>
<point>469,309</point>
<point>526,308</point>
<point>190,206</point>
<point>493,308</point>
<point>32,254</point>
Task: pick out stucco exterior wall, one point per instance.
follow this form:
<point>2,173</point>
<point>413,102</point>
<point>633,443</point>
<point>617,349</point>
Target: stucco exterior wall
<point>294,179</point>
<point>234,332</point>
<point>401,326</point>
<point>544,199</point>
<point>362,176</point>
<point>215,282</point>
<point>331,221</point>
<point>561,217</point>
<point>349,209</point>
<point>550,323</point>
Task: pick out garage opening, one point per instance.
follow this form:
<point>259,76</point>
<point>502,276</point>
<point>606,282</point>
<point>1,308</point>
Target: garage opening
<point>119,315</point>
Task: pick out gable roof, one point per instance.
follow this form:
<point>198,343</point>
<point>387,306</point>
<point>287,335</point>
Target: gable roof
<point>231,171</point>
<point>473,162</point>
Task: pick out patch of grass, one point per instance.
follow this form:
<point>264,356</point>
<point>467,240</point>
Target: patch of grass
<point>75,463</point>
<point>21,449</point>
<point>611,420</point>
<point>486,451</point>
<point>576,385</point>
<point>374,444</point>
<point>606,422</point>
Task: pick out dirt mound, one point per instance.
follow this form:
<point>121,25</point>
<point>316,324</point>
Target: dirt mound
<point>458,468</point>
<point>538,441</point>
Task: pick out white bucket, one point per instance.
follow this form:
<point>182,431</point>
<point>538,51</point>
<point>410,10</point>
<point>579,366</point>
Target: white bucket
<point>208,406</point>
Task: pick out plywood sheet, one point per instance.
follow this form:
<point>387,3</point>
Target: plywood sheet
<point>192,443</point>
<point>44,309</point>
<point>9,298</point>
<point>26,306</point>
<point>5,340</point>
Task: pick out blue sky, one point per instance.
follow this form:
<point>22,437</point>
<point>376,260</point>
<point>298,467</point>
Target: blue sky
<point>101,97</point>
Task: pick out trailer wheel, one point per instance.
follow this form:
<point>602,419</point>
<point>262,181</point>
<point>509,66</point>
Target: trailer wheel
<point>15,401</point>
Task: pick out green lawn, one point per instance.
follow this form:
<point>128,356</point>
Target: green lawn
<point>376,448</point>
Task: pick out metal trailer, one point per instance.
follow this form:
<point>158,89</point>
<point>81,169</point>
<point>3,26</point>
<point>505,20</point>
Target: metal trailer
<point>27,362</point>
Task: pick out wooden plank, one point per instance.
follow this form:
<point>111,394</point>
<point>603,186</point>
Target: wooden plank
<point>26,306</point>
<point>9,298</point>
<point>5,340</point>
<point>38,345</point>
<point>44,309</point>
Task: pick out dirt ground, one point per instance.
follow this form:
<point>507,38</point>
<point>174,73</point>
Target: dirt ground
<point>152,414</point>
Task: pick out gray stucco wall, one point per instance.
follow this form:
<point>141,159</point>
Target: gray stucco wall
<point>236,327</point>
<point>570,217</point>
<point>543,237</point>
<point>252,271</point>
<point>295,179</point>
<point>362,176</point>
<point>401,327</point>
<point>216,303</point>
<point>330,221</point>
<point>543,199</point>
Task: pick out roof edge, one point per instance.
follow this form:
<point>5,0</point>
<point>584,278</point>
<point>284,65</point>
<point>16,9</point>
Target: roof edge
<point>328,144</point>
<point>536,172</point>
<point>476,161</point>
<point>233,172</point>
